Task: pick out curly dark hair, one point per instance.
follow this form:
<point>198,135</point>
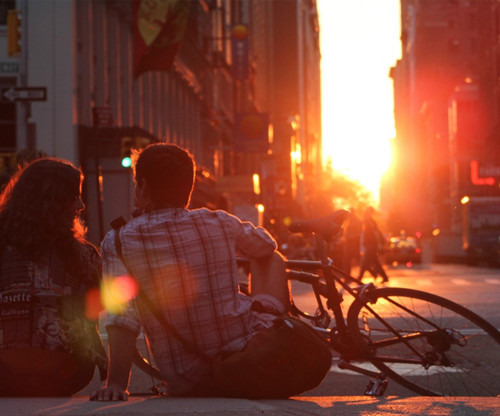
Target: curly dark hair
<point>35,209</point>
<point>169,171</point>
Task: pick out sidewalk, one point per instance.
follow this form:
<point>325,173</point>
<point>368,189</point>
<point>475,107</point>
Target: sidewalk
<point>310,406</point>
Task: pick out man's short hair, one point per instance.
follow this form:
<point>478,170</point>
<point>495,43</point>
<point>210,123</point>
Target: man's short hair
<point>169,171</point>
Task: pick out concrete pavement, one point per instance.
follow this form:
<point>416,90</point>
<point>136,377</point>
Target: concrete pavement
<point>298,406</point>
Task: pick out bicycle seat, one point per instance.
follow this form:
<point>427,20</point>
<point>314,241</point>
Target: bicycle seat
<point>325,227</point>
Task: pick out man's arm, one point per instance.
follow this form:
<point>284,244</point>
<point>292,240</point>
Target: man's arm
<point>268,277</point>
<point>251,241</point>
<point>121,353</point>
<point>122,328</point>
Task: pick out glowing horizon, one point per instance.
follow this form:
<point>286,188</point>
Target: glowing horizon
<point>359,44</point>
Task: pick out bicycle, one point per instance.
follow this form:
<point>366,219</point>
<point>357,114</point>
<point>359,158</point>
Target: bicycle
<point>424,342</point>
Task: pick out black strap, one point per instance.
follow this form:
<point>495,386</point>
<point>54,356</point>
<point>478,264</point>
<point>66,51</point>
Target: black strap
<point>145,299</point>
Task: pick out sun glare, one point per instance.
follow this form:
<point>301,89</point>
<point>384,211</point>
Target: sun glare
<point>359,44</point>
<point>362,160</point>
<point>117,291</point>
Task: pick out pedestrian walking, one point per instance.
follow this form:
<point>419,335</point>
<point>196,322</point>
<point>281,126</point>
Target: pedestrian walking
<point>371,244</point>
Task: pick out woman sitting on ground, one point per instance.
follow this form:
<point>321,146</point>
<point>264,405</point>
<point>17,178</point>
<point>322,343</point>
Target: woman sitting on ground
<point>49,285</point>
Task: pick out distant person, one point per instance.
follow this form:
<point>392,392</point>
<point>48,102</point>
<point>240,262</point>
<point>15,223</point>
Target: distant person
<point>352,237</point>
<point>371,244</point>
<point>49,344</point>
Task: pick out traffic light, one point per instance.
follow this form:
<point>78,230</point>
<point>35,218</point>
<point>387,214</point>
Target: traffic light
<point>128,144</point>
<point>126,155</point>
<point>13,33</point>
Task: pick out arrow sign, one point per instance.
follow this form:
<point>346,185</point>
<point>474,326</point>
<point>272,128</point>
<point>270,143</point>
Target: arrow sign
<point>24,94</point>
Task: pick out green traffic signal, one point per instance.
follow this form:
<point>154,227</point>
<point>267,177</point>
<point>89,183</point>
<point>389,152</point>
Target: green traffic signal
<point>126,152</point>
<point>126,162</point>
<point>129,145</point>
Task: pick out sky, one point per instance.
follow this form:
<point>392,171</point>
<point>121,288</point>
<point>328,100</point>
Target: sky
<point>359,45</point>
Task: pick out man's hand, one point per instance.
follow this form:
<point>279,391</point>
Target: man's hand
<point>111,392</point>
<point>121,344</point>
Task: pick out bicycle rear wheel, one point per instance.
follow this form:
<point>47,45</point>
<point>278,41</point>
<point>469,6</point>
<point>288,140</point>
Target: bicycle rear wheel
<point>426,343</point>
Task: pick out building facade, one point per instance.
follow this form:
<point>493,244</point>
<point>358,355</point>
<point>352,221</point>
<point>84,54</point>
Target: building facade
<point>217,101</point>
<point>446,111</point>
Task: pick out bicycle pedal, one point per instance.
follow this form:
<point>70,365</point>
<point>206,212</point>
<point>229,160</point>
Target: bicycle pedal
<point>157,391</point>
<point>376,386</point>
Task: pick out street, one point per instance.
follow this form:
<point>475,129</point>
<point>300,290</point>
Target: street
<point>475,288</point>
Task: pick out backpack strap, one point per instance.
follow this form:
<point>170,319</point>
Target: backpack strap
<point>146,300</point>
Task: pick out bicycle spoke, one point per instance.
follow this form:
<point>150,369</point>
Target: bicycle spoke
<point>458,352</point>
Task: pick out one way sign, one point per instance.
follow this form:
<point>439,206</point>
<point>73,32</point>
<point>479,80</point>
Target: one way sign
<point>24,94</point>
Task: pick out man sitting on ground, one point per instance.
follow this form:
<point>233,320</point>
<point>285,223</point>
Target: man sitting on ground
<point>185,260</point>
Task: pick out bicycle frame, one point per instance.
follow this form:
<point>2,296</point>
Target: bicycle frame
<point>339,335</point>
<point>335,298</point>
<point>328,289</point>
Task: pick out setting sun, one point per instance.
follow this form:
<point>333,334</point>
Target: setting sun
<point>359,44</point>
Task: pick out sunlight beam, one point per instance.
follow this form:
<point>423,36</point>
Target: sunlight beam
<point>359,45</point>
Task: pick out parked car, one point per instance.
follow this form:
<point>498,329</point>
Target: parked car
<point>402,250</point>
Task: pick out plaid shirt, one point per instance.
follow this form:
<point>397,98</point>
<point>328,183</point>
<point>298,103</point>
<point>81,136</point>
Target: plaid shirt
<point>185,261</point>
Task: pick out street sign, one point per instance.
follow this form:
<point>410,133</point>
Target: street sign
<point>103,116</point>
<point>24,94</point>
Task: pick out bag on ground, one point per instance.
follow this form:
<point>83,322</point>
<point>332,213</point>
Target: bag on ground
<point>278,362</point>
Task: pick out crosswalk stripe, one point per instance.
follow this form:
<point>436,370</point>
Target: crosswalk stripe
<point>456,281</point>
<point>460,282</point>
<point>398,368</point>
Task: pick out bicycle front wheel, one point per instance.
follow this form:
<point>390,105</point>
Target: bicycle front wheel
<point>427,343</point>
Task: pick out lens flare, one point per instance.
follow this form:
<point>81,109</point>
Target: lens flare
<point>116,292</point>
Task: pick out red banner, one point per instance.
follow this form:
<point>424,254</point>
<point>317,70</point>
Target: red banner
<point>159,26</point>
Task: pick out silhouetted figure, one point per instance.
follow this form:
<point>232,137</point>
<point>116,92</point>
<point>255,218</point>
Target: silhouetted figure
<point>49,344</point>
<point>371,243</point>
<point>185,260</point>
